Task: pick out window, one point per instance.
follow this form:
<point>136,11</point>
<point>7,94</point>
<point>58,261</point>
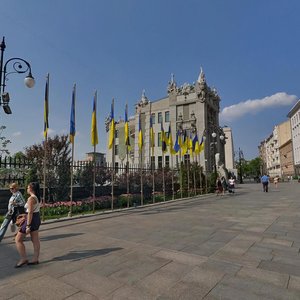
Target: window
<point>159,162</point>
<point>116,133</point>
<point>153,118</point>
<point>116,167</point>
<point>152,162</point>
<point>159,117</point>
<point>116,150</point>
<point>167,160</point>
<point>167,116</point>
<point>159,139</point>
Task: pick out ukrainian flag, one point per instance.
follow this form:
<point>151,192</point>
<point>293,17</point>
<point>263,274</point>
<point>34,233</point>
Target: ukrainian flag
<point>111,127</point>
<point>152,136</point>
<point>140,136</point>
<point>94,132</point>
<point>170,141</point>
<point>177,145</point>
<point>185,143</point>
<point>127,139</point>
<point>201,146</point>
<point>72,118</point>
<point>163,140</point>
<point>46,108</point>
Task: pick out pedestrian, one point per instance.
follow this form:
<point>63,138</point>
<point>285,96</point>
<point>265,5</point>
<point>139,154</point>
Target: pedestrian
<point>265,182</point>
<point>224,184</point>
<point>231,185</point>
<point>15,204</point>
<point>30,226</point>
<point>219,186</point>
<point>276,179</point>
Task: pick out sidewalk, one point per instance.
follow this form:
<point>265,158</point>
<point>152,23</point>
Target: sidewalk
<point>241,246</point>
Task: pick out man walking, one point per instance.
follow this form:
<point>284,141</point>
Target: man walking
<point>265,182</point>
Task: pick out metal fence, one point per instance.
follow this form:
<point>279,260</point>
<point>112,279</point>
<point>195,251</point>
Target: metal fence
<point>117,186</point>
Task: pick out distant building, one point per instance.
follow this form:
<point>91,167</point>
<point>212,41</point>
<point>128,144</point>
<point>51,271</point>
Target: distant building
<point>229,150</point>
<point>286,149</point>
<point>193,108</point>
<point>294,116</point>
<point>99,157</point>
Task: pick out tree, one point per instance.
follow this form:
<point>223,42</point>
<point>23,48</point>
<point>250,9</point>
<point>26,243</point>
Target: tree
<point>3,142</point>
<point>58,162</point>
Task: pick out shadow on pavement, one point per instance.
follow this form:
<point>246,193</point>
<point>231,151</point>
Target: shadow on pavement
<point>79,255</point>
<point>59,236</point>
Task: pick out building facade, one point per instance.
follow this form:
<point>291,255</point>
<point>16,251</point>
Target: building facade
<point>229,150</point>
<point>286,149</point>
<point>294,116</point>
<point>190,108</point>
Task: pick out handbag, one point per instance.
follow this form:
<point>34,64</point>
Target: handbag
<point>21,219</point>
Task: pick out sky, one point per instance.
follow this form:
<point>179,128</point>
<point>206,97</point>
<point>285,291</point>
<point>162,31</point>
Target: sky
<point>248,49</point>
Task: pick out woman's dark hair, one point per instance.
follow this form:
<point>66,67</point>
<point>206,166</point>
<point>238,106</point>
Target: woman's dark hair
<point>35,186</point>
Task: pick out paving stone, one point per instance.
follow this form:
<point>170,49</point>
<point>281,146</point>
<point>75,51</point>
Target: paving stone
<point>56,288</point>
<point>280,267</point>
<point>264,275</point>
<point>96,285</point>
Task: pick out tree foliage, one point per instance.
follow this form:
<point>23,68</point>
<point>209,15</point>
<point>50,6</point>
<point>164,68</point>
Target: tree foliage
<point>57,165</point>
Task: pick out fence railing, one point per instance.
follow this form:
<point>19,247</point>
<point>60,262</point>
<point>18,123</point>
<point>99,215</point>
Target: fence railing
<point>122,185</point>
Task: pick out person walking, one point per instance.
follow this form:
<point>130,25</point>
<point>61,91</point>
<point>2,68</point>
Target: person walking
<point>224,185</point>
<point>30,226</point>
<point>265,182</point>
<point>219,186</point>
<point>15,204</point>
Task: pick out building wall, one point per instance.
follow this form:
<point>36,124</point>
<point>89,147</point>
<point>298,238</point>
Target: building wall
<point>286,159</point>
<point>294,116</point>
<point>193,108</point>
<point>229,149</point>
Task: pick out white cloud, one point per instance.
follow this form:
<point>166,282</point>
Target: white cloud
<point>237,111</point>
<point>18,133</point>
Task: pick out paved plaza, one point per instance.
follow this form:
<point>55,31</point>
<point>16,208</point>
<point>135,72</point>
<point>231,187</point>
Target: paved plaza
<point>242,246</point>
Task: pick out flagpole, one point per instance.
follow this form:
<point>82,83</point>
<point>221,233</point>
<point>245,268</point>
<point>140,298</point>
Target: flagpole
<point>141,170</point>
<point>200,173</point>
<point>127,159</point>
<point>46,108</point>
<point>163,174</point>
<point>180,170</point>
<point>151,152</point>
<point>72,162</point>
<point>172,172</point>
<point>188,174</point>
<point>94,178</point>
<point>95,142</point>
<point>194,172</point>
<point>113,160</point>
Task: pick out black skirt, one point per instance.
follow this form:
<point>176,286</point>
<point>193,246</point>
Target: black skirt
<point>35,223</point>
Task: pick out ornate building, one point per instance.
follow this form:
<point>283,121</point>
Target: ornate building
<point>193,108</point>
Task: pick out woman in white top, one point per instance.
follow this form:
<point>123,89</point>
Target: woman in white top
<point>31,226</point>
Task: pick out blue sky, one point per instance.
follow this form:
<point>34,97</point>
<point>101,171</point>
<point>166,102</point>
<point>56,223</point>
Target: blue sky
<point>249,51</point>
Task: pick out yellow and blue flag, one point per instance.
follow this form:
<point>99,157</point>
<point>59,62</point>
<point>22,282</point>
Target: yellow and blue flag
<point>111,127</point>
<point>201,146</point>
<point>152,136</point>
<point>127,139</point>
<point>163,139</point>
<point>177,145</point>
<point>170,141</point>
<point>195,147</point>
<point>46,108</point>
<point>72,118</point>
<point>94,131</point>
<point>140,135</point>
<point>185,144</point>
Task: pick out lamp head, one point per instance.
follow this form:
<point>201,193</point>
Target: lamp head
<point>213,134</point>
<point>29,80</point>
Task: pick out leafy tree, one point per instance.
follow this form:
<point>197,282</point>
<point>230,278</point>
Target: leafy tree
<point>84,176</point>
<point>57,163</point>
<point>3,142</point>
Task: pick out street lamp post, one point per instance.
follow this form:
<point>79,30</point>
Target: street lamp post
<point>18,65</point>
